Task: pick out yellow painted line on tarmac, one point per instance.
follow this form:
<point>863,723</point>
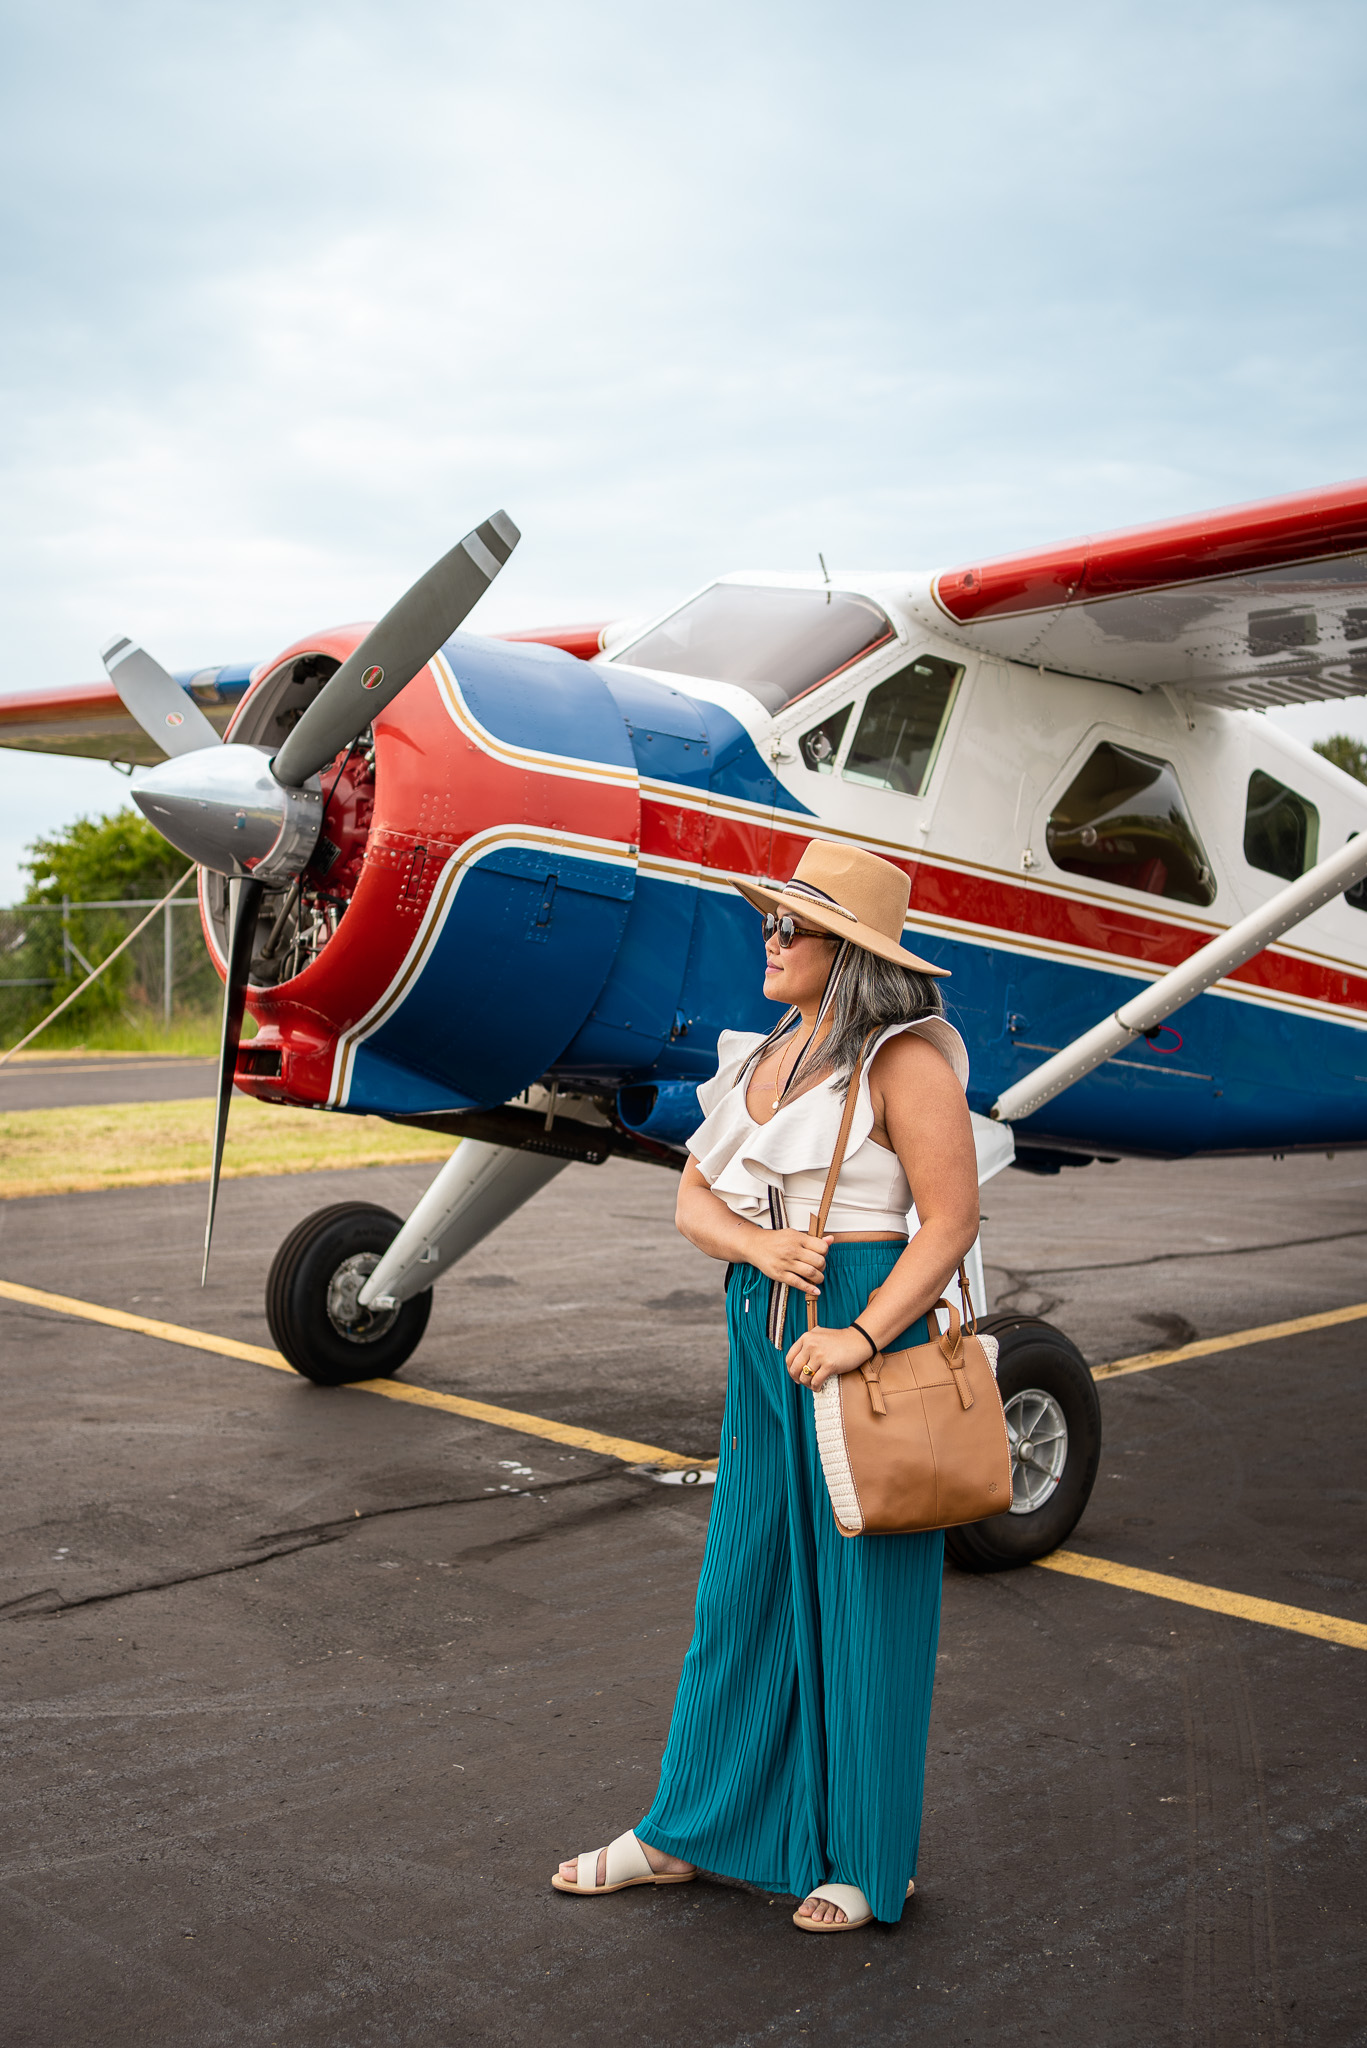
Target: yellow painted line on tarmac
<point>146,1326</point>
<point>1329,1628</point>
<point>625,1448</point>
<point>1206,1347</point>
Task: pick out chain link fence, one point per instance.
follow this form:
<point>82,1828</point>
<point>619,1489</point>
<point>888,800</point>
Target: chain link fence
<point>47,948</point>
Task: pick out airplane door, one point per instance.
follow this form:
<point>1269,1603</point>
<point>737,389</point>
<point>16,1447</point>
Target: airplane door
<point>870,762</point>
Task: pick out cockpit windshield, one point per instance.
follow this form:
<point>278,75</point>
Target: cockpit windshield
<point>775,643</point>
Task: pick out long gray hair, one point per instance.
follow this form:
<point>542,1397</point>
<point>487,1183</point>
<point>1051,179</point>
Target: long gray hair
<point>864,994</point>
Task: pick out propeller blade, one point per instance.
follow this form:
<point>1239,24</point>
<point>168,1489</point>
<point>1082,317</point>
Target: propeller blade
<point>395,650</point>
<point>166,713</point>
<point>244,901</point>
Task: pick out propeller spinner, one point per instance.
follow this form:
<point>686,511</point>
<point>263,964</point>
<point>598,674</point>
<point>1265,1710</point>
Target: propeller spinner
<point>236,810</point>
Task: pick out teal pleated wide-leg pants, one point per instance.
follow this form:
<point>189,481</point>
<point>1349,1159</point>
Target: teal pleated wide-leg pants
<point>796,1753</point>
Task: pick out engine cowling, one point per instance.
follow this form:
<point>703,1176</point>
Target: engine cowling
<point>468,892</point>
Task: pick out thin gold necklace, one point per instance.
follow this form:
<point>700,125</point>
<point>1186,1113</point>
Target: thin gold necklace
<point>778,1077</point>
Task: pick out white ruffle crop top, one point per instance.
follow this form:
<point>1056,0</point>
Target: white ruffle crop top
<point>742,1160</point>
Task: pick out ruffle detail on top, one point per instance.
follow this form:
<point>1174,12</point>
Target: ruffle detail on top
<point>741,1160</point>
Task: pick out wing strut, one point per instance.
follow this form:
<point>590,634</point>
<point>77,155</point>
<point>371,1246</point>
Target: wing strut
<point>1226,951</point>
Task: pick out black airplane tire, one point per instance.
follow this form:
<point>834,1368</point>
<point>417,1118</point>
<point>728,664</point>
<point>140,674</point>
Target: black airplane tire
<point>302,1298</point>
<point>1034,1355</point>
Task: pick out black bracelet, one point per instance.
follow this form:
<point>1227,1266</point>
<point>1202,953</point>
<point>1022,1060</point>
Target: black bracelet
<point>873,1348</point>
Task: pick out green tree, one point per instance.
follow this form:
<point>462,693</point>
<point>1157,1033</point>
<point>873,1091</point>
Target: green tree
<point>1346,753</point>
<point>95,860</point>
<point>98,860</point>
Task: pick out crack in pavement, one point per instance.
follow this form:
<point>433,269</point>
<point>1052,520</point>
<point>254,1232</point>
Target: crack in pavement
<point>48,1601</point>
<point>1228,1251</point>
<point>1006,1298</point>
<point>483,1552</point>
<point>323,1532</point>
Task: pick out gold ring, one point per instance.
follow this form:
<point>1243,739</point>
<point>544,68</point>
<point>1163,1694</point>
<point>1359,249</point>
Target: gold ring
<point>806,1372</point>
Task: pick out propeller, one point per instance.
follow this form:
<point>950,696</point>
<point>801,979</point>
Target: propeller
<point>244,902</point>
<point>166,713</point>
<point>394,651</point>
<point>256,819</point>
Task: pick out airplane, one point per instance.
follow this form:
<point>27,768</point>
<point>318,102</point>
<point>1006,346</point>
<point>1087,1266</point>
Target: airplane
<point>483,885</point>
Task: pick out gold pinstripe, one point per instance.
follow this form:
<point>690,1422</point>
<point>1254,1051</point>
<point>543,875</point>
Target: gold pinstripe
<point>606,851</point>
<point>512,755</point>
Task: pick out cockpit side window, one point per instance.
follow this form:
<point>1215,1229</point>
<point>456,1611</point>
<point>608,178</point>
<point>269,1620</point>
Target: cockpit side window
<point>1281,829</point>
<point>902,725</point>
<point>820,746</point>
<point>776,643</point>
<point>1123,819</point>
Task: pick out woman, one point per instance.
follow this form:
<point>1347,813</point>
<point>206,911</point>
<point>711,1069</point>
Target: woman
<point>797,1747</point>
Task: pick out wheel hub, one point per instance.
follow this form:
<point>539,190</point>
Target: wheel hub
<point>358,1325</point>
<point>1038,1435</point>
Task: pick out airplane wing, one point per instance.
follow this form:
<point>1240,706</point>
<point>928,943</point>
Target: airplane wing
<point>583,641</point>
<point>87,719</point>
<point>1255,605</point>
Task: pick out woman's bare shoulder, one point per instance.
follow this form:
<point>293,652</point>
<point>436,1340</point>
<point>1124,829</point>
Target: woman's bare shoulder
<point>907,1057</point>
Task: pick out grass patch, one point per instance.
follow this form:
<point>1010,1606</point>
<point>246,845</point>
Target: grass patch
<point>196,1034</point>
<point>153,1144</point>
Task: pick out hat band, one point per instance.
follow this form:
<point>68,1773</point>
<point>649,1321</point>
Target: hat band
<point>817,896</point>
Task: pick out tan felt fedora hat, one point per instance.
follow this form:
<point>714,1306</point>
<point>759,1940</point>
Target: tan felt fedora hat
<point>850,894</point>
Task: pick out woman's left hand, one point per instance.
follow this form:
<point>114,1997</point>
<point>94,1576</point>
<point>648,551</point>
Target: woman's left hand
<point>826,1352</point>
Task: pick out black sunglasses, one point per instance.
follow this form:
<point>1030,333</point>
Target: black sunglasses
<point>788,929</point>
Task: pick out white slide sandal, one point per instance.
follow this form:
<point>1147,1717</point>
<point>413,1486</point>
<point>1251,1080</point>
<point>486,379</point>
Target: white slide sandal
<point>852,1903</point>
<point>627,1864</point>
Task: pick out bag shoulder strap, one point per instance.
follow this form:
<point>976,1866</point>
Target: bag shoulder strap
<point>818,1222</point>
<point>842,1139</point>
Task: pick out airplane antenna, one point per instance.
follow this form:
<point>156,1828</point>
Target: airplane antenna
<point>826,573</point>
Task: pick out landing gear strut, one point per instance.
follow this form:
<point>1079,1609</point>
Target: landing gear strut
<point>311,1298</point>
<point>1053,1419</point>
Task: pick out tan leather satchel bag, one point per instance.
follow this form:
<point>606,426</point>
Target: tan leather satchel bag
<point>915,1439</point>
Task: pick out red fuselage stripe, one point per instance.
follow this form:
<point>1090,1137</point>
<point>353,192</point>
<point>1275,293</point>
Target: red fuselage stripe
<point>992,902</point>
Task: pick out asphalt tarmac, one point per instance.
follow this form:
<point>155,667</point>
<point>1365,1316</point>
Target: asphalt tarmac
<point>307,1692</point>
<point>81,1080</point>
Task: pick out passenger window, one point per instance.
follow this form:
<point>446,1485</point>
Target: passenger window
<point>820,746</point>
<point>902,725</point>
<point>1123,820</point>
<point>1281,830</point>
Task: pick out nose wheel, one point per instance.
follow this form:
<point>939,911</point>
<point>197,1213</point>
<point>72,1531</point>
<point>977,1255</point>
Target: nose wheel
<point>1053,1424</point>
<point>313,1298</point>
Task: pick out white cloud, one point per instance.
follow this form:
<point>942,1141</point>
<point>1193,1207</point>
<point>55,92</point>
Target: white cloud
<point>298,291</point>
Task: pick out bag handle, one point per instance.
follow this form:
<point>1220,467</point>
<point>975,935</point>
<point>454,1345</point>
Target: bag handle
<point>970,1313</point>
<point>952,1341</point>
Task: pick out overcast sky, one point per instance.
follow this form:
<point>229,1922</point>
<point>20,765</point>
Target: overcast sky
<point>296,292</point>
